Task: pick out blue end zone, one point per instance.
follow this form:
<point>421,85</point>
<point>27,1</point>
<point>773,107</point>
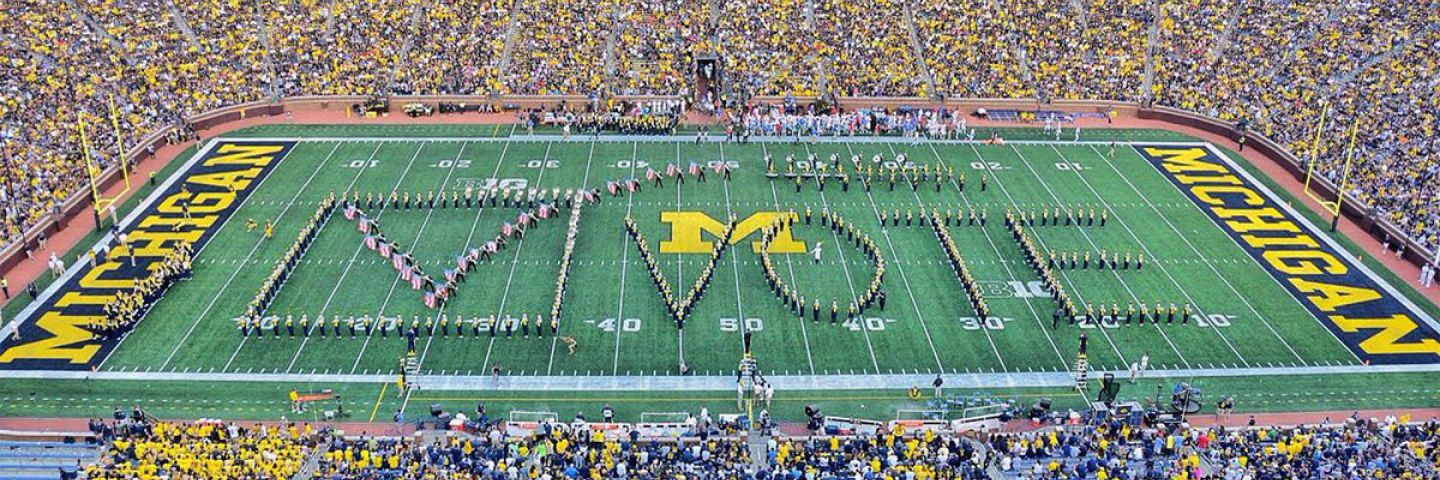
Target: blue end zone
<point>1368,315</point>
<point>59,330</point>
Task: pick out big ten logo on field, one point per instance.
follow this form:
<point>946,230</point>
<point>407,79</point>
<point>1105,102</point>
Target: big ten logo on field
<point>491,183</point>
<point>686,229</point>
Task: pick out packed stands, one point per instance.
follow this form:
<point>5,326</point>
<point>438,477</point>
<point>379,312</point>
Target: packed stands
<point>1270,63</point>
<point>1354,447</point>
<point>205,449</point>
<point>559,47</point>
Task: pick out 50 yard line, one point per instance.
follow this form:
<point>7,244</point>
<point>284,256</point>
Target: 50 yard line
<point>804,333</point>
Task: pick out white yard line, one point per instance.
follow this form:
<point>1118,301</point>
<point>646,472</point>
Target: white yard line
<point>735,269</point>
<point>1159,264</point>
<point>1008,272</point>
<point>584,185</point>
<point>246,338</point>
<point>804,333</point>
<point>849,282</point>
<point>480,210</point>
<point>1093,246</point>
<point>1063,273</point>
<point>216,298</point>
<point>909,292</point>
<point>414,245</point>
<point>680,260</point>
<point>519,246</point>
<point>358,248</point>
<point>1232,288</point>
<point>624,261</point>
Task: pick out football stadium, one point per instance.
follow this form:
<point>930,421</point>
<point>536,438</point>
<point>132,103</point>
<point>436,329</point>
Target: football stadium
<point>1104,239</point>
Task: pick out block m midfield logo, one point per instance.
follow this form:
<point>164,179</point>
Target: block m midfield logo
<point>686,228</point>
<point>59,330</point>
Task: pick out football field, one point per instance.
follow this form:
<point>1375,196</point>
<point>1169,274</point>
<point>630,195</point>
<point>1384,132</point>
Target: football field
<point>1250,306</point>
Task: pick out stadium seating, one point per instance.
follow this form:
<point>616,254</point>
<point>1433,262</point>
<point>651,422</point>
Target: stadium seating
<point>1353,448</point>
<point>1268,62</point>
<point>205,449</point>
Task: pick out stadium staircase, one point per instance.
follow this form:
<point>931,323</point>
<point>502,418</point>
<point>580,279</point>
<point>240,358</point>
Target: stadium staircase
<point>918,49</point>
<point>312,462</point>
<point>178,18</point>
<point>43,460</point>
<point>609,55</point>
<point>759,450</point>
<point>820,63</point>
<point>1152,45</point>
<point>95,27</point>
<point>508,51</point>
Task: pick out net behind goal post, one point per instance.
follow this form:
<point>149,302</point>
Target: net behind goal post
<point>523,416</point>
<point>664,417</point>
<point>923,414</point>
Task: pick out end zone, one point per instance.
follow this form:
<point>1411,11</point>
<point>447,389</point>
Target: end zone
<point>1368,315</point>
<point>55,331</point>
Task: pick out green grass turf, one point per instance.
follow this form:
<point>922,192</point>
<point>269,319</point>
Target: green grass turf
<point>924,328</point>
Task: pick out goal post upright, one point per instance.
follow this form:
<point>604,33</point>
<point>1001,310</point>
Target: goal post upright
<point>1345,176</point>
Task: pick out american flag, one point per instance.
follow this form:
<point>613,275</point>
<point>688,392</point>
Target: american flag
<point>430,299</point>
<point>370,242</point>
<point>385,250</point>
<point>634,184</point>
<point>650,173</point>
<point>694,168</point>
<point>670,169</point>
<point>364,224</point>
<point>507,229</point>
<point>450,275</point>
<point>349,211</point>
<point>544,211</point>
<point>416,281</point>
<point>613,187</point>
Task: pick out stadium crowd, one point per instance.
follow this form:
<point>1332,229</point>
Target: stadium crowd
<point>1288,69</point>
<point>141,447</point>
<point>1116,448</point>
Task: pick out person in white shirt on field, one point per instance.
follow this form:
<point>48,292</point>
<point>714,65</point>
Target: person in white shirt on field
<point>816,252</point>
